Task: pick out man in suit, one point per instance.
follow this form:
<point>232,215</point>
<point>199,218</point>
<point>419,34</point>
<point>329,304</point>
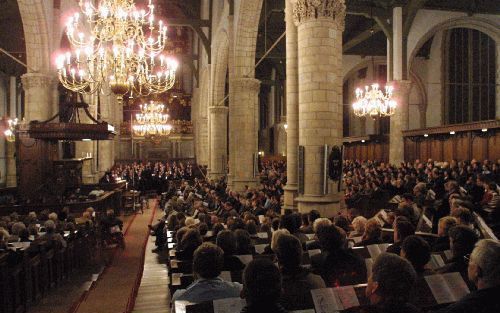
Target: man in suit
<point>484,272</point>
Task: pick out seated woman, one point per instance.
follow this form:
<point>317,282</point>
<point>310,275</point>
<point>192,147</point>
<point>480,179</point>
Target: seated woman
<point>226,240</point>
<point>297,281</point>
<point>462,242</point>
<point>418,252</point>
<point>372,234</point>
<point>337,265</point>
<point>188,244</point>
<point>243,243</point>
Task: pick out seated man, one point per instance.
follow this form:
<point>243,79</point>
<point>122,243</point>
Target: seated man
<point>297,281</point>
<point>402,229</point>
<point>262,287</point>
<point>389,286</point>
<point>226,240</point>
<point>462,242</point>
<point>337,265</point>
<point>484,272</point>
<point>442,243</point>
<point>207,266</point>
<point>418,252</point>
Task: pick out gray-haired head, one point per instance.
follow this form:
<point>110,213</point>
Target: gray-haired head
<point>486,256</point>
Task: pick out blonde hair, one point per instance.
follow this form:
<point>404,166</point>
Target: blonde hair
<point>276,235</point>
<point>359,223</point>
<point>319,222</point>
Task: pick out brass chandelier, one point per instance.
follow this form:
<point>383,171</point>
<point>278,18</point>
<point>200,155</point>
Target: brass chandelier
<point>151,121</point>
<point>123,50</point>
<point>374,102</point>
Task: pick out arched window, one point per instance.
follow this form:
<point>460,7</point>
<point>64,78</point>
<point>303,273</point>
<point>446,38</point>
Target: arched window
<point>470,63</point>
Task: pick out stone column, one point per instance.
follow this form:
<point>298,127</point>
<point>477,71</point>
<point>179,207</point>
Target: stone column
<point>320,25</point>
<point>243,138</point>
<point>38,90</point>
<point>399,121</point>
<point>11,180</point>
<point>497,111</point>
<point>292,107</point>
<point>107,147</point>
<point>218,141</point>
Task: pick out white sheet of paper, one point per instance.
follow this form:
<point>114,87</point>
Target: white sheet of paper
<point>262,235</point>
<point>325,301</point>
<point>229,305</point>
<point>225,275</point>
<point>246,258</point>
<point>180,306</point>
<point>369,266</point>
<point>457,285</point>
<point>374,251</point>
<point>310,236</point>
<point>313,252</point>
<point>347,296</point>
<point>439,289</point>
<point>260,248</point>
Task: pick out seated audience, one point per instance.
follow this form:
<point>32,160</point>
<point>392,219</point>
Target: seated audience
<point>418,252</point>
<point>262,287</point>
<point>297,281</point>
<point>484,273</point>
<point>442,243</point>
<point>207,265</point>
<point>389,286</point>
<point>372,234</point>
<point>462,241</point>
<point>402,229</point>
<point>189,242</point>
<point>358,226</point>
<point>337,265</point>
<point>226,240</point>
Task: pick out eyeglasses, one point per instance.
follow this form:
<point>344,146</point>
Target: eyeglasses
<point>467,258</point>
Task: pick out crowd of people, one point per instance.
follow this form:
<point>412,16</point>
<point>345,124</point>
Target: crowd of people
<point>149,176</point>
<point>213,224</point>
<point>53,229</point>
<point>439,186</point>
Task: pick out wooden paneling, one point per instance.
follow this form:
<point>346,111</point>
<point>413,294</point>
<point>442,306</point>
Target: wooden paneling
<point>367,151</point>
<point>463,146</point>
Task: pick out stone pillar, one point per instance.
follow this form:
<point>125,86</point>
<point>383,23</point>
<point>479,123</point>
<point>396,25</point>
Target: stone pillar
<point>106,148</point>
<point>399,121</point>
<point>38,90</point>
<point>292,107</point>
<point>218,141</point>
<point>243,138</point>
<point>497,111</point>
<point>11,180</point>
<point>320,25</point>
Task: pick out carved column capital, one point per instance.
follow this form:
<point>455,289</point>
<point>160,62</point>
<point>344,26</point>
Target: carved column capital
<point>37,80</point>
<point>245,83</point>
<point>402,88</point>
<point>304,10</point>
<point>218,109</point>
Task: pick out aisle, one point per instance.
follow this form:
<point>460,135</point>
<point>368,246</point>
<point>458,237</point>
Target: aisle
<point>153,295</point>
<point>113,291</point>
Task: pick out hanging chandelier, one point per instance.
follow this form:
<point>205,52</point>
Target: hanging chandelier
<point>9,133</point>
<point>151,121</point>
<point>123,51</point>
<point>374,102</point>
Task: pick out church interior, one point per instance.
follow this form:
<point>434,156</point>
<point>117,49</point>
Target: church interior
<point>254,156</point>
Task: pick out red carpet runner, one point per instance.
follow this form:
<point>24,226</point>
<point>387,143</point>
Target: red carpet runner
<point>116,288</point>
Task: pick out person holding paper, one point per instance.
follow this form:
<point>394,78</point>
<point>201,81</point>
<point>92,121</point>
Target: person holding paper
<point>402,229</point>
<point>462,241</point>
<point>297,281</point>
<point>208,286</point>
<point>389,286</point>
<point>484,272</point>
<point>418,252</point>
<point>337,265</point>
<point>262,287</point>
